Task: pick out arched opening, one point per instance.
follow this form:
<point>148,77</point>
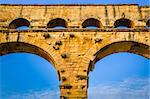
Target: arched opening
<point>148,23</point>
<point>19,24</point>
<point>28,76</point>
<point>120,76</point>
<point>26,72</point>
<point>123,46</point>
<point>57,23</point>
<point>123,23</point>
<point>13,47</point>
<point>120,71</point>
<point>91,23</point>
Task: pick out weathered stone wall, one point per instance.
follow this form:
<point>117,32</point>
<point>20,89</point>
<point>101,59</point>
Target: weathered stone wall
<point>74,51</point>
<point>40,15</point>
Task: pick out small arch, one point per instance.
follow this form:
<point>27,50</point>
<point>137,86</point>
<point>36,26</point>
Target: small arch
<point>91,23</point>
<point>148,23</point>
<point>123,23</point>
<point>19,23</point>
<point>57,23</point>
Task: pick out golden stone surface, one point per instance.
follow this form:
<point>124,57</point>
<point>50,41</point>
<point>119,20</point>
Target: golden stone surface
<point>74,50</point>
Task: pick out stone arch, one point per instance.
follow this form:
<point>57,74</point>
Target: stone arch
<point>123,46</point>
<point>148,23</point>
<point>91,22</point>
<point>123,22</point>
<point>18,23</point>
<point>14,47</point>
<point>120,46</point>
<point>110,54</point>
<point>57,22</point>
<point>134,47</point>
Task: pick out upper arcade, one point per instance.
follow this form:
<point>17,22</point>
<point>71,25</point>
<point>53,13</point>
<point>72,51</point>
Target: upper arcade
<point>63,16</point>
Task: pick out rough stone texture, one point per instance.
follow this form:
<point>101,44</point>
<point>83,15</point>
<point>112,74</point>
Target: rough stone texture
<point>73,51</point>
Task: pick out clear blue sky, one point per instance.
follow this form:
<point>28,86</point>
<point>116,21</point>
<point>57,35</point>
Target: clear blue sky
<point>24,73</point>
<point>141,2</point>
<point>29,76</point>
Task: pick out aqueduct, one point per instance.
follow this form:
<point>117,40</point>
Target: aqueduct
<point>74,49</point>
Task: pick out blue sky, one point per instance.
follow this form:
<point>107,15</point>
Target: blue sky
<point>25,73</point>
<point>29,76</point>
<point>119,66</point>
<point>141,2</point>
<point>120,76</point>
<point>116,76</point>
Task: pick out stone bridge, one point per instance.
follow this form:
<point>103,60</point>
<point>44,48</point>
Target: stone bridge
<point>74,49</point>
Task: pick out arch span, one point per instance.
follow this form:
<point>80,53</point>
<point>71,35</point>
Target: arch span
<point>14,47</point>
<point>120,46</point>
<point>58,22</point>
<point>19,22</point>
<point>148,23</point>
<point>123,22</point>
<point>91,22</point>
<point>123,46</point>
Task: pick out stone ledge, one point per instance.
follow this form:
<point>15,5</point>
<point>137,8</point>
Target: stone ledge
<point>78,30</point>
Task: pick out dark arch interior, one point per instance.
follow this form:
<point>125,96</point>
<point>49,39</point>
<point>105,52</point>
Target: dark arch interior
<point>19,23</point>
<point>148,23</point>
<point>91,23</point>
<point>123,23</point>
<point>57,23</point>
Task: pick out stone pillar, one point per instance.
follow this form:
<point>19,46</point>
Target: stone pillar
<point>74,82</point>
<point>77,89</point>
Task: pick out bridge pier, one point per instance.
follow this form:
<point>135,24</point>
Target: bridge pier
<point>74,90</point>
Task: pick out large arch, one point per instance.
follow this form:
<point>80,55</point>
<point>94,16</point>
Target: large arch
<point>114,70</point>
<point>120,46</point>
<point>123,46</point>
<point>14,47</point>
<point>108,47</point>
<point>22,72</point>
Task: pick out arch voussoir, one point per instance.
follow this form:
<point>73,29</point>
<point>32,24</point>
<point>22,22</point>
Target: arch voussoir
<point>125,42</point>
